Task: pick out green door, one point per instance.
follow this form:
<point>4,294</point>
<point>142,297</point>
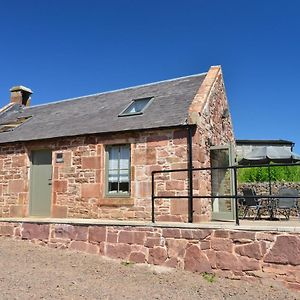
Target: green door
<point>222,183</point>
<point>40,183</point>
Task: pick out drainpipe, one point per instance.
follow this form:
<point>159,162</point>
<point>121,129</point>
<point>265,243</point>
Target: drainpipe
<point>190,172</point>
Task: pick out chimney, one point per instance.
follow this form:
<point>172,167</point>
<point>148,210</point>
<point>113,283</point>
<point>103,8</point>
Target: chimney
<point>21,95</point>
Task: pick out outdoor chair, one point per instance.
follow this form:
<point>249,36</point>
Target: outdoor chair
<point>251,202</point>
<point>285,205</point>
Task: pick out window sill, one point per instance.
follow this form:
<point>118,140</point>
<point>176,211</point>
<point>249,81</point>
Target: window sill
<point>124,201</point>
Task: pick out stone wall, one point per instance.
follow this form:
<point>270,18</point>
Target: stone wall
<point>230,253</point>
<point>78,184</point>
<point>262,188</point>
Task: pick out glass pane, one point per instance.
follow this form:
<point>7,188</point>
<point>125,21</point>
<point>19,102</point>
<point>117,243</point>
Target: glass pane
<point>124,187</point>
<point>124,176</point>
<point>137,106</point>
<point>113,176</point>
<point>124,157</point>
<point>113,158</point>
<point>113,187</point>
<point>221,180</point>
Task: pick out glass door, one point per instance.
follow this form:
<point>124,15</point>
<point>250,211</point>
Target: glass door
<point>222,183</point>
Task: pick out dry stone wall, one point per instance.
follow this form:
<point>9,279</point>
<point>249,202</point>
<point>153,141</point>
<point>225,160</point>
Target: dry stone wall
<point>230,253</point>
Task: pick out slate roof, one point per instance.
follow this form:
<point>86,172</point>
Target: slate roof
<point>99,113</point>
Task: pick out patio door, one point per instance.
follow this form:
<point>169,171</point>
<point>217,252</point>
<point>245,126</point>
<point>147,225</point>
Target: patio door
<point>222,183</point>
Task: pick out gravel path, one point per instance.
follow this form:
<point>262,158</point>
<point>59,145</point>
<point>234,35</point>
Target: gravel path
<point>30,271</point>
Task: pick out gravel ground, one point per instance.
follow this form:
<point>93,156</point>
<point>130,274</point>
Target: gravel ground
<point>30,271</point>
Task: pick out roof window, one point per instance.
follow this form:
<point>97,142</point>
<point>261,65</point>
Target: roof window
<point>136,107</point>
<point>10,126</point>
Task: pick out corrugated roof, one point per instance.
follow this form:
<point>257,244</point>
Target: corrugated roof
<point>99,113</point>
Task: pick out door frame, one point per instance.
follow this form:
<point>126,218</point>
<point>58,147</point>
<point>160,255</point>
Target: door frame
<point>31,150</point>
<point>231,215</point>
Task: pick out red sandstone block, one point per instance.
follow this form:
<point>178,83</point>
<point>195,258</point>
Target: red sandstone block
<point>91,162</point>
<point>175,185</point>
<point>60,186</point>
<point>169,218</point>
<point>97,234</point>
<point>195,234</point>
<point>179,207</point>
<point>252,250</point>
<point>176,247</point>
<point>59,211</point>
<point>6,230</point>
<point>151,156</point>
<point>90,190</point>
<point>227,261</point>
<point>16,186</point>
<point>242,235</point>
<point>157,141</point>
<point>249,264</point>
<point>137,257</point>
<point>196,261</point>
<point>112,237</point>
<point>157,255</point>
<point>171,233</point>
<point>35,231</point>
<point>139,157</point>
<point>78,246</point>
<point>19,161</point>
<point>220,244</point>
<point>205,245</point>
<point>180,175</point>
<point>265,236</point>
<point>65,231</point>
<point>221,234</point>
<point>143,189</point>
<point>132,237</point>
<point>121,251</point>
<point>171,263</point>
<point>285,250</point>
<point>16,211</point>
<point>153,241</point>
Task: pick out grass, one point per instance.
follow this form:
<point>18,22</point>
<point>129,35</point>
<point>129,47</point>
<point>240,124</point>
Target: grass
<point>127,263</point>
<point>211,278</point>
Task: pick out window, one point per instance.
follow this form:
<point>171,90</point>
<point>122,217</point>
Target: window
<point>118,170</point>
<point>11,125</point>
<point>136,107</point>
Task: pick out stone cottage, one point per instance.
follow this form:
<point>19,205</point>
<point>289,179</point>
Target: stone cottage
<point>92,156</point>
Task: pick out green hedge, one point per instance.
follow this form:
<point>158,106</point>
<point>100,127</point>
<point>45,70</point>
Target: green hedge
<point>288,174</point>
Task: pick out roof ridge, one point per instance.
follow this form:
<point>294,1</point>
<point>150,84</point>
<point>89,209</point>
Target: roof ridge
<point>117,90</point>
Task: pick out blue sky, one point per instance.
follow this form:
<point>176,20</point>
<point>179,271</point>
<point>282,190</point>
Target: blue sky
<point>64,49</point>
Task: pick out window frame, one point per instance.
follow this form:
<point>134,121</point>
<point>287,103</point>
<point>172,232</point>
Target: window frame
<point>123,114</point>
<point>118,194</point>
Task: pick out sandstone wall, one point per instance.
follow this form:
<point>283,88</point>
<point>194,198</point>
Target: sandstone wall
<point>232,253</point>
<point>78,184</point>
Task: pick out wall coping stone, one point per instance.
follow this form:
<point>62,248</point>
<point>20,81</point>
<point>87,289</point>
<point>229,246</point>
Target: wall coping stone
<point>293,226</point>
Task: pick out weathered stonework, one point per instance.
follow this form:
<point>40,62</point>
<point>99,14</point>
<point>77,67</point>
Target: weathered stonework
<point>230,253</point>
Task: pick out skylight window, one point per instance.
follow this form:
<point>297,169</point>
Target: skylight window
<point>10,126</point>
<point>136,107</point>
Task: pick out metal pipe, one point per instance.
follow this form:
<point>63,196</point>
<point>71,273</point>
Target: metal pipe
<point>190,174</point>
<point>153,198</point>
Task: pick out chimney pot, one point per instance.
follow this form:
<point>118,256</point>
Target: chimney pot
<point>20,95</point>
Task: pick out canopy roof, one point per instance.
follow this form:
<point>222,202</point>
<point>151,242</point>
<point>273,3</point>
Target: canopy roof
<point>269,154</point>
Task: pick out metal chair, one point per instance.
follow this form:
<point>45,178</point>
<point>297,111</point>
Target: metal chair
<point>286,201</point>
<point>251,202</point>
